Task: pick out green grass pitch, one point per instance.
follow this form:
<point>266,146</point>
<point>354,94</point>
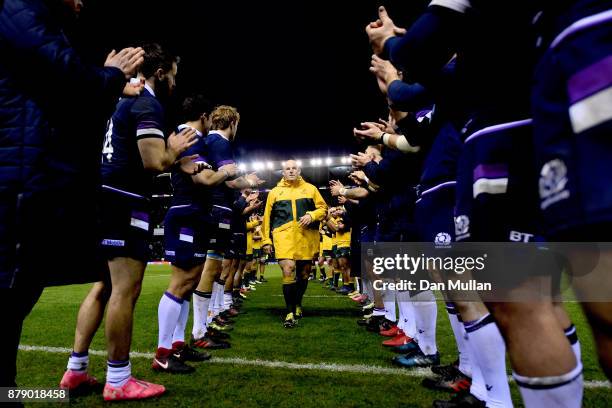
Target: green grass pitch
<point>252,373</point>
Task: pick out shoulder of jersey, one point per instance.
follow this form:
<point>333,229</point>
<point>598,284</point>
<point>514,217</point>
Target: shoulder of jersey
<point>147,100</point>
<point>215,137</point>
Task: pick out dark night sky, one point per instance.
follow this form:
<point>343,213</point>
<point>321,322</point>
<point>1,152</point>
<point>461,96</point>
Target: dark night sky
<point>297,70</point>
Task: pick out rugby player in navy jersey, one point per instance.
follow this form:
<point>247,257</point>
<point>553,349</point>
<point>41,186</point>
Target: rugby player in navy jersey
<point>241,266</point>
<point>423,351</point>
<point>433,212</point>
<point>224,309</point>
<point>187,235</point>
<point>572,118</point>
<point>135,150</point>
<point>246,203</point>
<point>435,202</point>
<point>240,207</point>
<point>496,66</point>
<point>220,152</point>
<point>364,193</point>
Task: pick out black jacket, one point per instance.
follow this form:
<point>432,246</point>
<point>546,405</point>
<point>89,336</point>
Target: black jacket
<point>53,109</point>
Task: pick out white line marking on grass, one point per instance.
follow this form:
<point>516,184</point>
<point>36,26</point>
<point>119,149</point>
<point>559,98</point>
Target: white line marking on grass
<point>346,368</point>
<point>351,368</point>
<point>317,296</point>
<point>64,350</point>
<point>597,384</point>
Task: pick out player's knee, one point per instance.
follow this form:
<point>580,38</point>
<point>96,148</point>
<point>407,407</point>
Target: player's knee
<point>182,287</point>
<point>100,291</point>
<point>464,308</point>
<point>134,293</point>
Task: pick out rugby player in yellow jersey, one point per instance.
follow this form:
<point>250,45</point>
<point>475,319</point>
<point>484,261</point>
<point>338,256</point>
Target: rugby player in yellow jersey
<point>343,247</point>
<point>334,275</point>
<point>253,224</point>
<point>259,257</point>
<point>294,209</point>
<point>325,251</point>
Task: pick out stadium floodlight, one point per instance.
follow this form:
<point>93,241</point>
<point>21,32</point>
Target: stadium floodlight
<point>242,167</point>
<point>258,166</point>
<point>344,160</point>
<point>328,161</point>
<point>299,163</point>
<point>270,165</point>
<point>316,162</point>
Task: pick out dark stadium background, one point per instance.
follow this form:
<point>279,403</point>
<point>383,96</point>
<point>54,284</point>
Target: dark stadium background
<point>297,70</point>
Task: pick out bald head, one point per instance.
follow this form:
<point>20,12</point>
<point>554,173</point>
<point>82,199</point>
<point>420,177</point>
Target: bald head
<point>291,170</point>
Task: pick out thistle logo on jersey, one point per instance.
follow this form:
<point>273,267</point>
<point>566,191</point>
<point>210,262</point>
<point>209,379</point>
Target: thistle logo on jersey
<point>553,182</point>
<point>442,239</point>
<point>462,226</point>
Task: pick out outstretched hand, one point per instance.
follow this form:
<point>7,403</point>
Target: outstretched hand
<point>335,186</point>
<point>179,142</point>
<point>127,60</point>
<point>360,159</point>
<point>189,165</point>
<point>254,180</point>
<point>255,205</point>
<point>369,132</point>
<point>385,73</point>
<point>381,30</point>
<point>358,176</point>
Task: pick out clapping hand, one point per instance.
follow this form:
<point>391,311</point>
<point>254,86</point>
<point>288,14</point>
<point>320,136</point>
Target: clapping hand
<point>381,30</point>
<point>335,186</point>
<point>179,142</point>
<point>127,60</point>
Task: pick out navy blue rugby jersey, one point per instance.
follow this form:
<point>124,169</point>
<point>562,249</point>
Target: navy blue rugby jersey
<point>185,190</point>
<point>441,162</point>
<point>220,152</point>
<point>134,119</point>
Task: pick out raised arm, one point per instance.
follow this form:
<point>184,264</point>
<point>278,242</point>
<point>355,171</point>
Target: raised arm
<point>30,36</point>
<point>427,46</point>
<point>156,154</point>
